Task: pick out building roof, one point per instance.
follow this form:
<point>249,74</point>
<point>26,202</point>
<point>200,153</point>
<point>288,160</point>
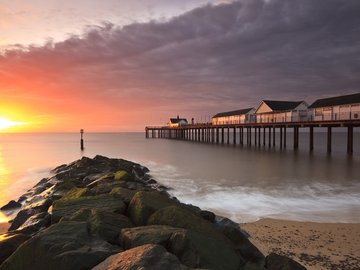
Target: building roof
<point>177,120</point>
<point>334,101</point>
<point>277,105</point>
<point>231,113</point>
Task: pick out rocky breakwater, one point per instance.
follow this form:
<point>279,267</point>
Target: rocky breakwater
<point>106,213</point>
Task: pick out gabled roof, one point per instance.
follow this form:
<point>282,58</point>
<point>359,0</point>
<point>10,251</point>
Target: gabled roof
<point>231,113</point>
<point>277,105</point>
<point>177,120</point>
<point>334,101</point>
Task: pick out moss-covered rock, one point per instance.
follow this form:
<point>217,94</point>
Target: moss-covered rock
<point>9,243</point>
<point>63,246</point>
<point>124,193</point>
<point>146,257</point>
<point>67,207</point>
<point>103,223</point>
<point>120,175</point>
<point>155,234</point>
<point>278,262</point>
<point>198,250</point>
<point>144,204</point>
<point>75,193</point>
<point>182,217</point>
<point>242,244</point>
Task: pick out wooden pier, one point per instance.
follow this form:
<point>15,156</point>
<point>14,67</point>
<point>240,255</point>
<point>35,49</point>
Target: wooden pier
<point>256,133</point>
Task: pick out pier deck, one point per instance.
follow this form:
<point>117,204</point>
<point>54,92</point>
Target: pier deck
<point>256,133</point>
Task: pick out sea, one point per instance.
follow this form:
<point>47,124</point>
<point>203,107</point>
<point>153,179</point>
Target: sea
<point>240,182</point>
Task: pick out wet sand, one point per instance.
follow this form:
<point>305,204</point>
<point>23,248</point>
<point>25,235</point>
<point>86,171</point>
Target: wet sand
<point>4,227</point>
<point>318,246</point>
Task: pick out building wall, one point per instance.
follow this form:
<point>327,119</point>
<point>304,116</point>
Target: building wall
<point>342,112</point>
<point>234,119</point>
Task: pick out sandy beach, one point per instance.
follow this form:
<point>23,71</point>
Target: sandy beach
<point>315,245</point>
<point>4,227</point>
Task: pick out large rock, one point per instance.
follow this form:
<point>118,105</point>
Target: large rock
<point>67,207</point>
<point>125,194</point>
<point>278,262</point>
<point>242,244</point>
<point>155,234</point>
<point>146,257</point>
<point>63,246</point>
<point>9,243</point>
<point>199,250</point>
<point>22,217</point>
<point>35,223</point>
<point>10,206</point>
<point>76,192</point>
<point>201,245</point>
<point>144,204</point>
<point>103,223</point>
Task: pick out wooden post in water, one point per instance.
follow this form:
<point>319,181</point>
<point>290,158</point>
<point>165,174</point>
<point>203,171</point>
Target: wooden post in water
<point>264,135</point>
<point>296,138</point>
<point>274,136</point>
<point>285,137</point>
<point>234,134</point>
<point>255,136</point>
<point>228,135</point>
<point>81,140</point>
<point>269,137</point>
<point>281,137</point>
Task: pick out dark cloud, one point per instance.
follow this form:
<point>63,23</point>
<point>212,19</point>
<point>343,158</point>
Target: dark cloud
<point>213,58</point>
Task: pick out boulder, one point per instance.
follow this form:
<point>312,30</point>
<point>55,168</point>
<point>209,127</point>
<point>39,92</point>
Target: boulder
<point>155,234</point>
<point>35,223</point>
<point>9,243</point>
<point>103,223</point>
<point>278,262</point>
<point>125,194</point>
<point>198,250</point>
<point>146,257</point>
<point>63,246</point>
<point>242,244</point>
<point>76,192</point>
<point>10,206</point>
<point>67,207</point>
<point>41,205</point>
<point>144,204</point>
<point>21,217</point>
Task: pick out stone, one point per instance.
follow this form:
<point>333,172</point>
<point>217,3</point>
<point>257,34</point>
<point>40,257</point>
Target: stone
<point>146,257</point>
<point>41,205</point>
<point>106,225</point>
<point>35,223</point>
<point>144,204</point>
<point>10,206</point>
<point>125,194</point>
<point>63,246</point>
<point>9,243</point>
<point>278,262</point>
<point>76,192</point>
<point>67,207</point>
<point>154,234</point>
<point>207,215</point>
<point>243,245</point>
<point>21,217</point>
<point>198,250</point>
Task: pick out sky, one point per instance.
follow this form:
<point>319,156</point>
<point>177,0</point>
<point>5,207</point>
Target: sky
<point>120,65</point>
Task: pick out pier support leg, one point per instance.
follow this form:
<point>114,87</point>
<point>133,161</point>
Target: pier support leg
<point>350,138</point>
<point>255,135</point>
<point>222,136</point>
<point>311,139</point>
<point>274,136</point>
<point>264,135</point>
<point>269,137</point>
<point>228,135</point>
<point>284,137</point>
<point>259,136</point>
<point>250,136</point>
<point>281,137</point>
<point>296,138</point>
<point>242,136</point>
<point>234,135</point>
<point>329,140</point>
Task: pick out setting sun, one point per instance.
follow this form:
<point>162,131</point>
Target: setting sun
<point>7,123</point>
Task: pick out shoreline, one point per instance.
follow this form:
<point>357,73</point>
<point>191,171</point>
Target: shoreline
<point>317,246</point>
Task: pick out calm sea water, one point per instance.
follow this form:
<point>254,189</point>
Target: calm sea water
<point>244,183</point>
